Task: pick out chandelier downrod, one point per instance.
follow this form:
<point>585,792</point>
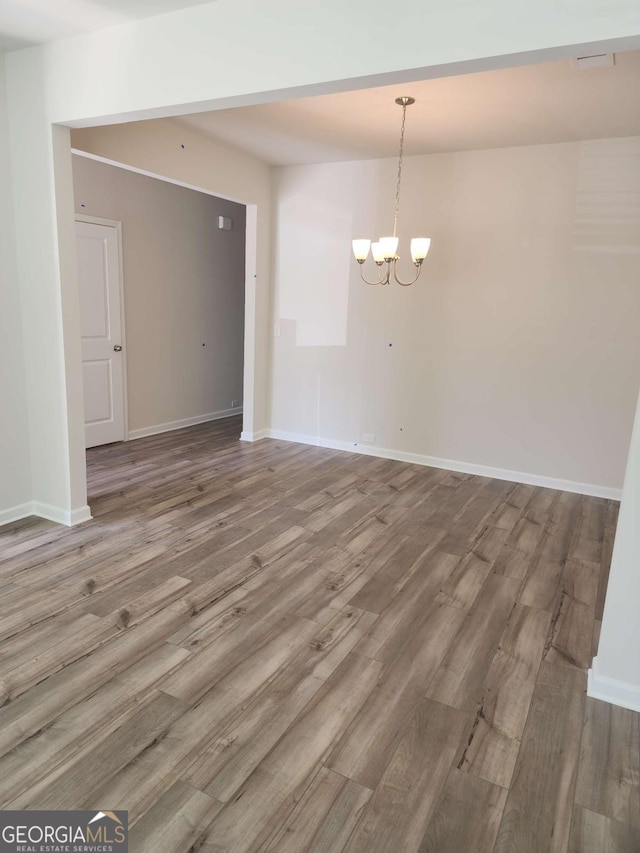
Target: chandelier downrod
<point>404,103</point>
<point>384,251</point>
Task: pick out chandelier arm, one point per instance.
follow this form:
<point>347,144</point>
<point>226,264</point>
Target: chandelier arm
<point>406,283</point>
<point>381,280</point>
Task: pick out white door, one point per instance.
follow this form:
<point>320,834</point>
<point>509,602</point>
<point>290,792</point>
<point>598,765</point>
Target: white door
<point>101,329</point>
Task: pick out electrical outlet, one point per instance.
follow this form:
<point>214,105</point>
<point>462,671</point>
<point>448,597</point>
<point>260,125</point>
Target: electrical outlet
<point>235,404</point>
<point>368,438</point>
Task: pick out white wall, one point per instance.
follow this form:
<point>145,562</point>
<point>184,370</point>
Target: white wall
<point>517,349</point>
<point>15,465</point>
<point>184,287</point>
<point>615,673</point>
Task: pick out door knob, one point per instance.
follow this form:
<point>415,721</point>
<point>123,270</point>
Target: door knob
<point>117,348</point>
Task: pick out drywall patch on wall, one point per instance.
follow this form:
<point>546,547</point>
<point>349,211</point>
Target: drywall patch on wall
<point>324,229</point>
<point>608,197</point>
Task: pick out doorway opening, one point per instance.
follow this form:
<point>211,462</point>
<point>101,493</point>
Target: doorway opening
<point>182,269</point>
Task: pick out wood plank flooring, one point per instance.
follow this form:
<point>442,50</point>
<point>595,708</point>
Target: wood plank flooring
<point>277,648</point>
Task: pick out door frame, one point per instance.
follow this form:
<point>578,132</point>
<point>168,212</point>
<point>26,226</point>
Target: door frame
<point>117,225</point>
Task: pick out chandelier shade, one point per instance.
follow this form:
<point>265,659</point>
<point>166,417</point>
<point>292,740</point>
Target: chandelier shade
<point>420,248</point>
<point>385,250</point>
<point>361,249</point>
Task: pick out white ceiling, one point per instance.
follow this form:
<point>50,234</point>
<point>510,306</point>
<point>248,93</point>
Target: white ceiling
<point>552,102</point>
<point>533,104</point>
<point>28,22</point>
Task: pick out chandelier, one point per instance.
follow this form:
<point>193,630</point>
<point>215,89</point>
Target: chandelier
<point>384,251</point>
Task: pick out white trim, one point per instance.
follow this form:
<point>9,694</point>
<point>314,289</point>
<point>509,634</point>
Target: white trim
<point>97,220</point>
<point>80,515</point>
<point>611,690</point>
<point>16,513</point>
<point>115,223</point>
<point>254,436</point>
<point>120,165</point>
<point>52,513</point>
<point>453,465</point>
<point>184,422</point>
<point>62,516</point>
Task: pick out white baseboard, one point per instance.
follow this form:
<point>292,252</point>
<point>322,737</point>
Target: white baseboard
<point>453,465</point>
<point>15,513</point>
<point>254,436</point>
<point>611,690</point>
<point>82,514</point>
<point>52,513</point>
<point>181,424</point>
<point>61,516</point>
<point>79,516</point>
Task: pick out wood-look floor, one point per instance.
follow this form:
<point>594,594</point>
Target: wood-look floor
<point>279,648</point>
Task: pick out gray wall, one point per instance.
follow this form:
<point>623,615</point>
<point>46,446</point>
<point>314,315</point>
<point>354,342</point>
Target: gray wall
<point>184,287</point>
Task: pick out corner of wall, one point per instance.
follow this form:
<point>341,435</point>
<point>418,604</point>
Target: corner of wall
<point>15,460</point>
<point>611,690</point>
